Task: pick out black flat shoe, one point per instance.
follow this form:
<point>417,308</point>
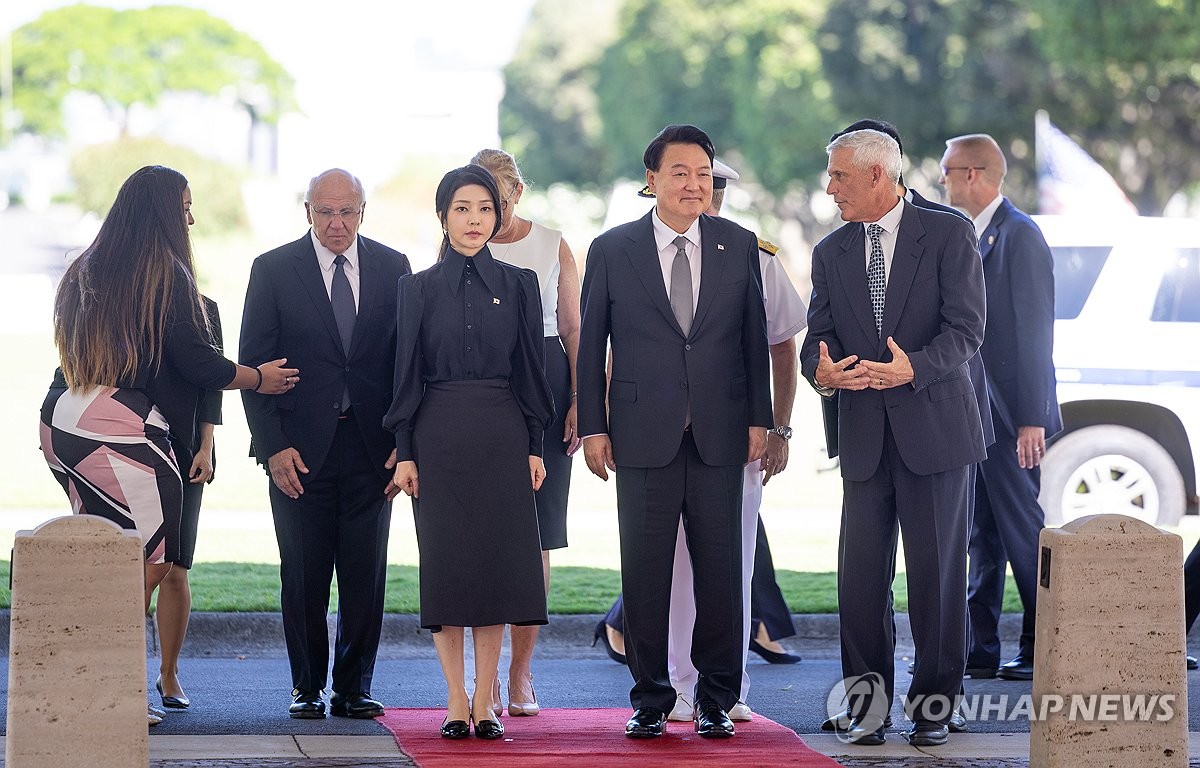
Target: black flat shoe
<point>646,723</point>
<point>710,721</point>
<point>358,705</point>
<point>771,656</point>
<point>307,705</point>
<point>489,729</point>
<point>602,634</point>
<point>455,729</point>
<point>171,702</point>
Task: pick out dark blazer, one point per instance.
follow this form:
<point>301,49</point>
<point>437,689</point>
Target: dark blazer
<point>288,314</point>
<point>723,363</point>
<point>1017,348</point>
<point>935,312</point>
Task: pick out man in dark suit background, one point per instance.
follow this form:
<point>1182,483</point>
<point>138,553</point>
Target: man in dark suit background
<point>897,310</point>
<point>679,295</point>
<point>1017,355</point>
<point>328,298</point>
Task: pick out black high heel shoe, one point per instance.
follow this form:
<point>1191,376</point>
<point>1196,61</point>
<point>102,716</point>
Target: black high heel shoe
<point>171,702</point>
<point>602,634</point>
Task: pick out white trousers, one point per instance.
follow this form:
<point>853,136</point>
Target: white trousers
<point>683,602</point>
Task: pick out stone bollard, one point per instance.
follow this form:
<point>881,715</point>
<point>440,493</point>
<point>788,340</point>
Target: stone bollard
<point>77,651</point>
<point>1110,676</point>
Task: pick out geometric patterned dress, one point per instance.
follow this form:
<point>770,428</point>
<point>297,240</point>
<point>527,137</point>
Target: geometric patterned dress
<point>109,449</point>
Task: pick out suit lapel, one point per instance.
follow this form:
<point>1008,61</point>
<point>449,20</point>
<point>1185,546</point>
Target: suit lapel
<point>992,233</point>
<point>309,271</point>
<point>905,259</point>
<point>369,286</point>
<point>642,253</point>
<point>852,269</point>
<point>712,264</point>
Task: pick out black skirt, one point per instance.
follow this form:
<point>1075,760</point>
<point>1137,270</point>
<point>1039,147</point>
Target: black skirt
<point>476,520</point>
<point>552,496</point>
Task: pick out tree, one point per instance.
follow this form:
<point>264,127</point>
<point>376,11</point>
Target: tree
<point>1123,80</point>
<point>548,116</point>
<point>937,69</point>
<point>133,57</point>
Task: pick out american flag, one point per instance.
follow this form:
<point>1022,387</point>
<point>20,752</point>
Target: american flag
<point>1069,180</point>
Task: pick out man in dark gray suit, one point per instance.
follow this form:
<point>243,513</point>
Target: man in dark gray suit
<point>679,295</point>
<point>897,310</point>
<point>1017,355</point>
<point>329,299</point>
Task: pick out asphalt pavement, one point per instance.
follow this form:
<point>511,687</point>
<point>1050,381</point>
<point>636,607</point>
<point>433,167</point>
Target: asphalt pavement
<point>236,673</point>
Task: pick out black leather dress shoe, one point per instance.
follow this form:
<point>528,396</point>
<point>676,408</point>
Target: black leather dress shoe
<point>455,729</point>
<point>489,729</point>
<point>358,705</point>
<point>307,705</point>
<point>646,723</point>
<point>926,733</point>
<point>958,723</point>
<point>980,673</point>
<point>771,656</point>
<point>710,720</point>
<point>1192,663</point>
<point>1020,668</point>
<point>864,732</point>
<point>842,723</point>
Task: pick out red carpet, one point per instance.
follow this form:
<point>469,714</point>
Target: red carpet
<point>595,737</point>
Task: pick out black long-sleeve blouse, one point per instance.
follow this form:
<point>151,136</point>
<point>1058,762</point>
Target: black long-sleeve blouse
<point>469,318</point>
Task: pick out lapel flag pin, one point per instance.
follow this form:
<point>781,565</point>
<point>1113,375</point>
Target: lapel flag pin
<point>495,301</point>
<point>720,247</point>
<point>991,239</point>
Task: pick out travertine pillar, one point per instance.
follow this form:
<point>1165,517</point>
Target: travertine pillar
<point>1109,630</point>
<point>77,652</point>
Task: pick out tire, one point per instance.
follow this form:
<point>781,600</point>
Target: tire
<point>1109,469</point>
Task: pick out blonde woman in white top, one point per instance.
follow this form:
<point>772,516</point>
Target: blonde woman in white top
<point>527,244</point>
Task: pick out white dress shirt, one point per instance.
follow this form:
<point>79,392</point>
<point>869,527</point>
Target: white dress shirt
<point>985,216</point>
<point>887,239</point>
<point>325,259</point>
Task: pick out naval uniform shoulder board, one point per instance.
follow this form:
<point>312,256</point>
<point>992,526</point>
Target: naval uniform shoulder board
<point>768,246</point>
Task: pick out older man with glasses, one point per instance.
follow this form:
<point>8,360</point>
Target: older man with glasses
<point>329,299</point>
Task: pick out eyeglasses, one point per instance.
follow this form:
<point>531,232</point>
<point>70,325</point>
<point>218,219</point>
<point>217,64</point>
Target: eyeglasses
<point>345,214</point>
<point>947,168</point>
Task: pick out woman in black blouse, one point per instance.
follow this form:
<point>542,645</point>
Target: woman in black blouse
<point>471,403</point>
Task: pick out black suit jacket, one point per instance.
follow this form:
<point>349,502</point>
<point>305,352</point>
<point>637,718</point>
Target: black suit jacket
<point>288,314</point>
<point>723,363</point>
<point>934,310</point>
<point>1018,346</point>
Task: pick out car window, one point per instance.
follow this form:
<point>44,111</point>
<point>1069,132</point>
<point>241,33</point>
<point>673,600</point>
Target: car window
<point>1178,298</point>
<point>1075,271</point>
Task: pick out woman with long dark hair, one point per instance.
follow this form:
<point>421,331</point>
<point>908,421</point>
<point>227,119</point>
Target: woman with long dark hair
<point>135,349</point>
<point>471,404</point>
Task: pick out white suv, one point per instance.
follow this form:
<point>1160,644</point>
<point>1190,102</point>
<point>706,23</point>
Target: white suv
<point>1127,353</point>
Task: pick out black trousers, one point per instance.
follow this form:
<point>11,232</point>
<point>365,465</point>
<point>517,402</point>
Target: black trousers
<point>1004,532</point>
<point>340,523</point>
<point>649,505</point>
<point>931,512</point>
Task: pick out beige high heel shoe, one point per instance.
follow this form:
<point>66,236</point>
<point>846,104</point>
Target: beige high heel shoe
<point>521,709</point>
<point>497,704</point>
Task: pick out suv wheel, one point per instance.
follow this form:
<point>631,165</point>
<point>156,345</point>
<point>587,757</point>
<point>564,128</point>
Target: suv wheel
<point>1109,469</point>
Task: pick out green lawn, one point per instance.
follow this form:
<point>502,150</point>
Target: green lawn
<point>573,590</point>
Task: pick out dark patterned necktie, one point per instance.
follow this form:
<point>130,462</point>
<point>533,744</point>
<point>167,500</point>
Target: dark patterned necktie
<point>344,311</point>
<point>876,277</point>
<point>681,286</point>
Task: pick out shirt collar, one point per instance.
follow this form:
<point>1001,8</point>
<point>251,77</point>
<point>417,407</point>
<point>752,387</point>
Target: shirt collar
<point>325,256</point>
<point>664,235</point>
<point>890,221</point>
<point>453,264</point>
<point>984,218</point>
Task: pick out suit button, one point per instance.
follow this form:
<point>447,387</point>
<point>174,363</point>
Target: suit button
<point>687,347</point>
<point>337,406</point>
<point>346,369</point>
<point>683,385</point>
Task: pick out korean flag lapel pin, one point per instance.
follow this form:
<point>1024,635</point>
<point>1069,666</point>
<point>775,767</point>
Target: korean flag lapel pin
<point>720,247</point>
<point>495,301</point>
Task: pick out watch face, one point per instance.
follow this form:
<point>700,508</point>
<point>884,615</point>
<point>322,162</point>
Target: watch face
<point>784,432</point>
